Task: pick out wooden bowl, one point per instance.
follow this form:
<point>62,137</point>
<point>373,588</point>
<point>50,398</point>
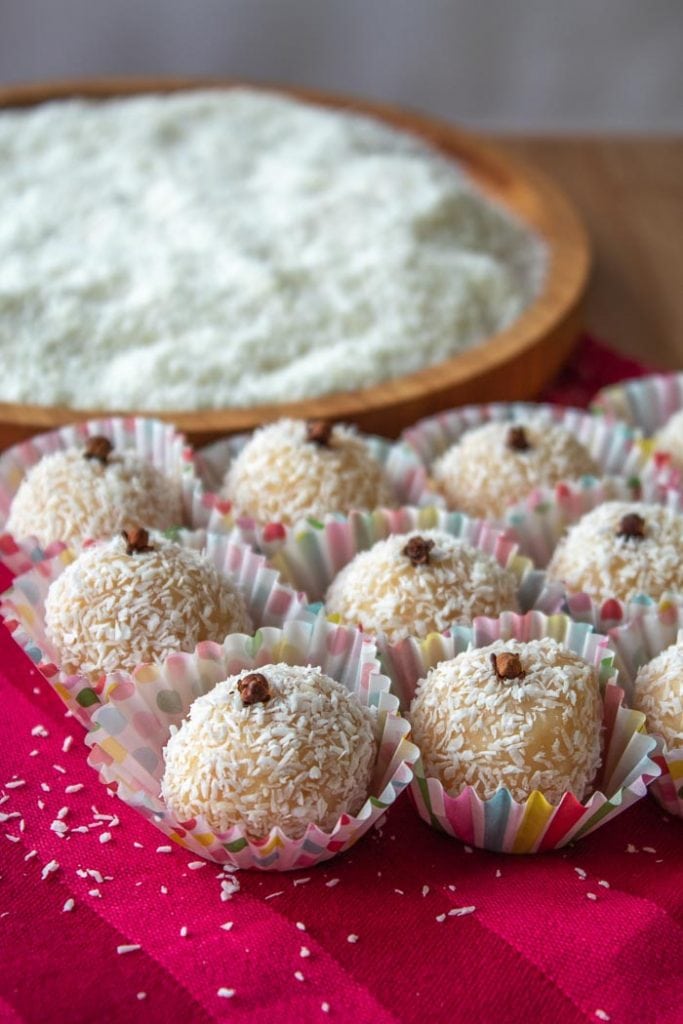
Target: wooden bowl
<point>513,364</point>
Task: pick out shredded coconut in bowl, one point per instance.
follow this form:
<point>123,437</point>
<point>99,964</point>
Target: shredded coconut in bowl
<point>216,249</point>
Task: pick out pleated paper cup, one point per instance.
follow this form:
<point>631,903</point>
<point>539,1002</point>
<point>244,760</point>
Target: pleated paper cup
<point>130,733</point>
<point>647,404</point>
<point>313,553</point>
<point>615,446</point>
<point>404,471</point>
<point>270,602</point>
<point>503,824</point>
<point>156,442</point>
<point>541,520</point>
<point>636,644</point>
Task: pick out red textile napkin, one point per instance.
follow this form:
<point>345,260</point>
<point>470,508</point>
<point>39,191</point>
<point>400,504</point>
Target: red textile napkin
<point>586,934</point>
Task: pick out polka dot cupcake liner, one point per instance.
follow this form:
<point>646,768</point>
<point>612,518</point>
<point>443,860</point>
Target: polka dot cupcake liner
<point>403,468</point>
<point>157,442</point>
<point>616,447</point>
<point>503,824</point>
<point>636,644</point>
<point>270,602</point>
<point>130,732</point>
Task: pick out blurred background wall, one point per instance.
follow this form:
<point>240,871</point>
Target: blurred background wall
<point>518,65</point>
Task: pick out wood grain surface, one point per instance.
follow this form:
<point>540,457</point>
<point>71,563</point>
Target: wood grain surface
<point>630,195</point>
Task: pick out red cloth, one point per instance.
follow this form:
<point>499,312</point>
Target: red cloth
<point>536,948</point>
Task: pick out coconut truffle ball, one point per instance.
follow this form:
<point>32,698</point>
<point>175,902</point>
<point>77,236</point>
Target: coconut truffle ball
<point>93,492</point>
<point>659,695</point>
<point>291,469</point>
<point>493,466</point>
<point>415,584</point>
<point>137,598</point>
<point>284,746</point>
<point>670,438</point>
<point>622,549</point>
<point>525,716</point>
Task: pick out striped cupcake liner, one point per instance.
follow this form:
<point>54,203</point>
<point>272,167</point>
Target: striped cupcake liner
<point>616,447</point>
<point>646,403</point>
<point>404,471</point>
<point>539,522</point>
<point>313,553</point>
<point>130,733</point>
<point>635,645</point>
<point>270,602</point>
<point>503,824</point>
<point>157,442</point>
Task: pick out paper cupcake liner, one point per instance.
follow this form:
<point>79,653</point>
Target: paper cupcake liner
<point>615,446</point>
<point>157,442</point>
<point>503,824</point>
<point>405,472</point>
<point>270,602</point>
<point>647,403</point>
<point>636,644</point>
<point>312,553</point>
<point>129,735</point>
<point>539,522</point>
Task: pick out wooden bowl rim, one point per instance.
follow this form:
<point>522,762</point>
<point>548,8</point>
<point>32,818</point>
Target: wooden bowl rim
<point>557,223</point>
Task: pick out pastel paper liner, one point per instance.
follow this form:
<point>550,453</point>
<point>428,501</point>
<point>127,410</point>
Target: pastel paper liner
<point>157,442</point>
<point>405,471</point>
<point>270,602</point>
<point>616,447</point>
<point>647,403</point>
<point>129,734</point>
<point>635,644</point>
<point>314,552</point>
<point>539,522</point>
<point>503,824</point>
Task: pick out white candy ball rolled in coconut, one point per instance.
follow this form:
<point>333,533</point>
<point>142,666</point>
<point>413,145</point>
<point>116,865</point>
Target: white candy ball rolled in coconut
<point>138,599</point>
<point>292,469</point>
<point>524,716</point>
<point>284,746</point>
<point>493,466</point>
<point>420,583</point>
<point>92,492</point>
<point>670,438</point>
<point>621,549</point>
<point>659,695</point>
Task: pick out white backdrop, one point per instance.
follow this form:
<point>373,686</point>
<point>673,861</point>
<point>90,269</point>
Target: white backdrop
<point>532,65</point>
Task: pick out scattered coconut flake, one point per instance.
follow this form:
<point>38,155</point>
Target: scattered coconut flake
<point>164,849</point>
<point>104,837</point>
<point>195,865</point>
<point>30,854</point>
<point>461,911</point>
<point>8,817</point>
<point>58,768</point>
<point>649,849</point>
<point>225,993</point>
<point>41,805</point>
<point>301,926</point>
<point>69,905</point>
<point>400,892</point>
<point>272,895</point>
<point>62,813</point>
<point>12,839</point>
<point>227,926</point>
<point>66,745</point>
<point>601,1015</point>
<point>468,849</point>
<point>299,976</point>
<point>352,938</point>
<point>131,948</point>
<point>425,890</point>
<point>142,995</point>
<point>591,896</point>
<point>332,882</point>
<point>301,881</point>
<point>15,784</point>
<point>163,889</point>
<point>631,848</point>
<point>45,788</point>
<point>138,846</point>
<point>49,868</point>
<point>183,932</point>
<point>34,753</point>
<point>95,892</point>
<point>440,918</point>
<point>499,873</point>
<point>39,730</point>
<point>304,951</point>
<point>603,883</point>
<point>60,827</point>
<point>325,1007</point>
<point>581,873</point>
